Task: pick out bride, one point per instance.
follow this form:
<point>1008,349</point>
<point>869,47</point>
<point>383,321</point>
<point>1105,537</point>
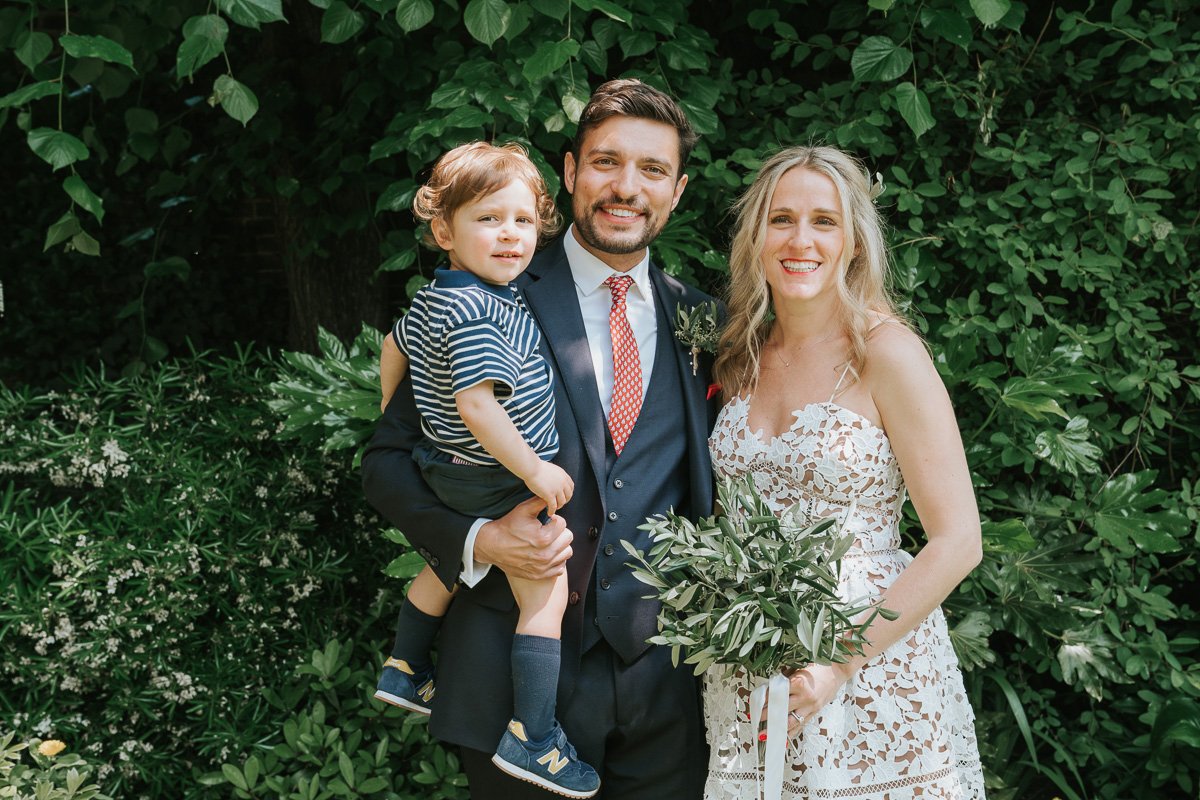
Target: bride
<point>831,400</point>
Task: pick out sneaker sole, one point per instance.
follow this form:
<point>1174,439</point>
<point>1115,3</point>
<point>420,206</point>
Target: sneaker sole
<point>537,780</point>
<point>400,702</point>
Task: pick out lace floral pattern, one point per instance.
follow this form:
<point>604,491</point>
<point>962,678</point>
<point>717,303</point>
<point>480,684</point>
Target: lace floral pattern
<point>902,727</point>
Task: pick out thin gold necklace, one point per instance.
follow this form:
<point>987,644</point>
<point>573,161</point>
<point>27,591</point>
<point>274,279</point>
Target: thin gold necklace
<point>788,364</point>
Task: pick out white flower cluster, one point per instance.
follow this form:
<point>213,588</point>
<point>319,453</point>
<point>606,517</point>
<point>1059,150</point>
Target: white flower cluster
<point>177,687</point>
<point>84,467</point>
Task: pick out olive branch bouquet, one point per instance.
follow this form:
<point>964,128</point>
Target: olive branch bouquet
<point>749,589</point>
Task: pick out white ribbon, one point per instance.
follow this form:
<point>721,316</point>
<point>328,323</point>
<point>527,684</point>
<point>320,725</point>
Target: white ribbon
<point>774,694</point>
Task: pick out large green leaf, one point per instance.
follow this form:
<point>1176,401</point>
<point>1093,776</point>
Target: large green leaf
<point>340,22</point>
<point>914,107</point>
<point>66,227</point>
<point>57,148</point>
<point>252,13</point>
<point>989,12</point>
<point>85,197</point>
<point>948,24</point>
<point>1032,397</point>
<point>1086,658</point>
<point>1177,721</point>
<point>1009,536</point>
<point>236,98</point>
<point>609,9</point>
<point>552,8</point>
<point>83,242</point>
<point>412,15</point>
<point>1127,513</point>
<point>1069,450</point>
<point>204,40</point>
<point>486,20</point>
<point>969,637</point>
<point>29,93</point>
<point>396,197</point>
<point>100,47</point>
<point>549,58</point>
<point>170,267</point>
<point>878,58</point>
<point>32,48</point>
<point>466,117</point>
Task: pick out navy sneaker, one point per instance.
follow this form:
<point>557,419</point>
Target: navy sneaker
<point>551,763</point>
<point>402,687</point>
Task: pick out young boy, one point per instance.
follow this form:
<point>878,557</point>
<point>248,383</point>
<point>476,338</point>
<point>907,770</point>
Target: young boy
<point>486,401</point>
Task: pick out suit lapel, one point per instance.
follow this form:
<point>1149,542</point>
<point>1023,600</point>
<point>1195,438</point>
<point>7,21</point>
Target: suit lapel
<point>550,297</point>
<point>671,294</point>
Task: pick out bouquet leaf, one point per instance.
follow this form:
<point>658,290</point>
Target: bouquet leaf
<point>751,589</point>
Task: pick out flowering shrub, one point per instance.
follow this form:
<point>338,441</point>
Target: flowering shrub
<point>169,566</point>
<point>50,778</point>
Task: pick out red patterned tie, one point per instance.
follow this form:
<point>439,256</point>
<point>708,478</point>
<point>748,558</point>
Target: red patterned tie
<point>627,367</point>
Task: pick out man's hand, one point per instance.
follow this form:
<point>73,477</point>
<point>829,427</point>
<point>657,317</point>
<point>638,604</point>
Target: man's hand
<point>520,545</point>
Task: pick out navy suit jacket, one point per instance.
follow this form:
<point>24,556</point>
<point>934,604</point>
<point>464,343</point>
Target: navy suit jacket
<point>473,702</point>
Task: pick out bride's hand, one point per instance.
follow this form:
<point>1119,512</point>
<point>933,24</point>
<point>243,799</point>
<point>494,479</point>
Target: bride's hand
<point>811,690</point>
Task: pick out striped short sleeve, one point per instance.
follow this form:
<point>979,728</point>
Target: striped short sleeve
<point>460,334</point>
<point>478,351</point>
<point>400,334</point>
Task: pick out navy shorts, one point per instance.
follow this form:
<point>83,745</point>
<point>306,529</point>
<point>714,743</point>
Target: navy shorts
<point>472,489</point>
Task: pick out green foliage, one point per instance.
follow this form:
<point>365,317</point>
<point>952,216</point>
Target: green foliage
<point>52,776</point>
<point>330,402</point>
<point>167,561</point>
<point>337,741</point>
<point>1041,171</point>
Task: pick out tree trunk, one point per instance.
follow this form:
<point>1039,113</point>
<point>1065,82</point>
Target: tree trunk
<point>332,286</point>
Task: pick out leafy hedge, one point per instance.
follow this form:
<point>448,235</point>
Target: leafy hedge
<point>1042,186</point>
<point>189,602</point>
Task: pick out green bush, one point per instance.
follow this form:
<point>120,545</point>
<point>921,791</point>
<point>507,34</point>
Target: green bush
<point>52,776</point>
<point>170,567</point>
<point>337,742</point>
<point>1042,186</point>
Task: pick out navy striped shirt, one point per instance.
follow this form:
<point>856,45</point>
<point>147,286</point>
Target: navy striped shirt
<point>461,331</point>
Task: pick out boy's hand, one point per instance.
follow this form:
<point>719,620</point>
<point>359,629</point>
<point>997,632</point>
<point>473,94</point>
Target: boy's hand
<point>550,483</point>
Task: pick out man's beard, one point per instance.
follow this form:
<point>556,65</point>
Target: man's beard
<point>618,245</point>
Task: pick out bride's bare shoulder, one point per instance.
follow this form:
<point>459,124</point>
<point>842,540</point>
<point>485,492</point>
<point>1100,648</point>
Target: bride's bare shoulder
<point>897,357</point>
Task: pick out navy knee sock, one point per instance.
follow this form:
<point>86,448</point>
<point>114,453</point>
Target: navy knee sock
<point>535,661</point>
<point>415,632</point>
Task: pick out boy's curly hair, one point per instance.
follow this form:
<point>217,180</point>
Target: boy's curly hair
<point>474,170</point>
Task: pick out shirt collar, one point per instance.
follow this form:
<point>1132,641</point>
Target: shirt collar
<point>446,278</point>
<point>590,273</point>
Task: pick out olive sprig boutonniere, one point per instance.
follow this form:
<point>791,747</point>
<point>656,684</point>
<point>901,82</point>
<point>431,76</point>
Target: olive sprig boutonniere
<point>698,329</point>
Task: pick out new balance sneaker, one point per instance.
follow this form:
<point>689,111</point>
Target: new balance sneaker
<point>402,687</point>
<point>551,763</point>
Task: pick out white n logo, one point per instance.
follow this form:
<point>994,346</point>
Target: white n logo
<point>554,761</point>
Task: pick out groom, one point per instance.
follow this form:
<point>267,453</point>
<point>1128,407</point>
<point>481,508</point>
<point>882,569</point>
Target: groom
<point>633,431</point>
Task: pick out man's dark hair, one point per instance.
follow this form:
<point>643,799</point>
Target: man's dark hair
<point>630,97</point>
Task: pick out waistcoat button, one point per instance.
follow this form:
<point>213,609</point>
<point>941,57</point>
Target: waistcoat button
<point>604,584</point>
<point>612,516</point>
<point>608,550</point>
<point>618,483</point>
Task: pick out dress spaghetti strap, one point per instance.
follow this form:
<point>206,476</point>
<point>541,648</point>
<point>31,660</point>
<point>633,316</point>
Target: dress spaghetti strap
<point>838,385</point>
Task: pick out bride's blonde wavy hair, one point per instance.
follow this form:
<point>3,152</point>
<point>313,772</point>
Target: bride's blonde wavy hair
<point>862,277</point>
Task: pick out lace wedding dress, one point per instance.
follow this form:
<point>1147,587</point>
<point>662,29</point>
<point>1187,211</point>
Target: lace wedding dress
<point>902,727</point>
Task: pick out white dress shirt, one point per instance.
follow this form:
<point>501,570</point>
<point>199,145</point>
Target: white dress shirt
<point>595,302</point>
